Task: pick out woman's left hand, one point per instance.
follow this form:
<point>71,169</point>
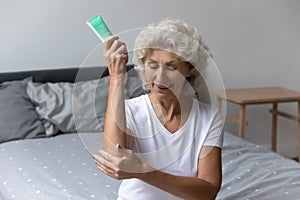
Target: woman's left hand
<point>128,165</point>
<point>116,56</point>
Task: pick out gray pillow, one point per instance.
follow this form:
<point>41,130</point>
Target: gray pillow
<point>18,118</point>
<point>74,107</point>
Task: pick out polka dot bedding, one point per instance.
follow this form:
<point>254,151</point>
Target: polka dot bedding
<point>61,168</point>
<point>252,172</point>
<point>57,168</point>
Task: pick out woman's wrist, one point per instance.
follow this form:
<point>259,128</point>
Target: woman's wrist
<point>147,173</point>
<point>116,79</point>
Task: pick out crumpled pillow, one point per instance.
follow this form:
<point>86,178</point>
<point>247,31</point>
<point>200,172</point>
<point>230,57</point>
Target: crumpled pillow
<point>75,107</point>
<point>18,118</point>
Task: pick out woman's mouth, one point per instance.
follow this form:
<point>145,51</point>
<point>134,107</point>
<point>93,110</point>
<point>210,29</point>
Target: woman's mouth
<point>162,87</point>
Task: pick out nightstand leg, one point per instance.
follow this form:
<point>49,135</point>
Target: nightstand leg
<point>242,120</point>
<point>274,126</point>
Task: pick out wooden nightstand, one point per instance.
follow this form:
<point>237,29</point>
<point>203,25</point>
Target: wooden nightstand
<point>264,95</point>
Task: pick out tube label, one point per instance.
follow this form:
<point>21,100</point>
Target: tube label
<point>98,25</point>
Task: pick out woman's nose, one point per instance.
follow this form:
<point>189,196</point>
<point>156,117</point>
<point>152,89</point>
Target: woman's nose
<point>160,73</point>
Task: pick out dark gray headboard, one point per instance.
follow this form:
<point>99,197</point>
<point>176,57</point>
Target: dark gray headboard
<point>61,75</point>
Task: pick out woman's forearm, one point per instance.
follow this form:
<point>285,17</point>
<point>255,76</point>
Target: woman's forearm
<point>115,121</point>
<point>188,188</point>
<point>116,57</point>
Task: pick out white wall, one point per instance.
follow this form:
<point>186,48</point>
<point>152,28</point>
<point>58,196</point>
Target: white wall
<point>255,43</point>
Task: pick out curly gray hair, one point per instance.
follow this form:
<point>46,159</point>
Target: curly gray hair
<point>180,38</point>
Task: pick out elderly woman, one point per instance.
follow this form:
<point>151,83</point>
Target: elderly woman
<point>164,144</point>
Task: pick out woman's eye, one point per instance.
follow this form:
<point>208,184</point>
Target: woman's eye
<point>153,65</point>
<point>171,68</point>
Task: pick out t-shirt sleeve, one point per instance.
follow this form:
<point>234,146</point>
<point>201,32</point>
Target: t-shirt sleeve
<point>215,131</point>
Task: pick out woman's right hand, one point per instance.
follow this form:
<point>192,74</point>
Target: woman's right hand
<point>116,57</point>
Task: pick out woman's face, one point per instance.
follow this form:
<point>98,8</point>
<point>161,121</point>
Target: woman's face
<point>165,72</point>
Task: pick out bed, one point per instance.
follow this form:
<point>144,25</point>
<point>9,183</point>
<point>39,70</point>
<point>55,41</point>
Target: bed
<point>46,153</point>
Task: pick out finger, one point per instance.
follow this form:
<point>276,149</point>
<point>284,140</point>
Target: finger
<point>121,60</point>
<point>106,170</point>
<point>108,156</point>
<point>115,45</point>
<point>104,166</point>
<point>117,53</point>
<point>109,41</point>
<point>114,173</point>
<point>105,154</point>
<point>97,159</point>
<point>100,161</point>
<point>121,49</point>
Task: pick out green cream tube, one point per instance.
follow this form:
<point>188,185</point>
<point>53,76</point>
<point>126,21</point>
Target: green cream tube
<point>99,27</point>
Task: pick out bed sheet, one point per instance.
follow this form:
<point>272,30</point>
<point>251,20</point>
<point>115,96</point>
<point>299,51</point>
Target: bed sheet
<point>62,168</point>
<point>56,168</point>
<point>253,172</point>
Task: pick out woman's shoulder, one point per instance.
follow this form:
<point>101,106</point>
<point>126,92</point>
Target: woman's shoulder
<point>207,108</point>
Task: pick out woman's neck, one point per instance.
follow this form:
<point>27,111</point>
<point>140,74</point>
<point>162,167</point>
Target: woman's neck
<point>171,107</point>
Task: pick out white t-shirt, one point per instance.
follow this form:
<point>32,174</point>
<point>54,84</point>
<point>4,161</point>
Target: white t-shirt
<point>175,153</point>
